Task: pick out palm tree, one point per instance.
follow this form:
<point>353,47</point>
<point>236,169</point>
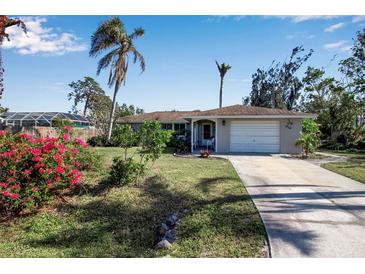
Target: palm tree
<point>111,35</point>
<point>6,22</point>
<point>222,68</point>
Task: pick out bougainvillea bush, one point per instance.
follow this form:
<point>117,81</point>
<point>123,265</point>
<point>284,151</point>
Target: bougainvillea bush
<point>34,169</point>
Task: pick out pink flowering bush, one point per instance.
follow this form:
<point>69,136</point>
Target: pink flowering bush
<point>34,169</point>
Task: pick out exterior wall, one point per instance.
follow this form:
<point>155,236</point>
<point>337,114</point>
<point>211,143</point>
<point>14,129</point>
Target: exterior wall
<point>289,133</point>
<point>223,135</point>
<point>288,136</point>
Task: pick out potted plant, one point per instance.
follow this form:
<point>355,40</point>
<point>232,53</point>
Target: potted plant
<point>205,153</point>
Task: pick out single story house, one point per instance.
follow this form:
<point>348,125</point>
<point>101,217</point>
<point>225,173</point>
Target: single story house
<point>232,129</point>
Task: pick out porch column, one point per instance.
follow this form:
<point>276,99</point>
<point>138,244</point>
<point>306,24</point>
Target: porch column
<point>216,134</point>
<point>192,135</point>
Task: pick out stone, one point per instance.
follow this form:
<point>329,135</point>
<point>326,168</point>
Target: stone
<point>163,229</point>
<point>170,236</point>
<point>172,220</point>
<point>164,244</point>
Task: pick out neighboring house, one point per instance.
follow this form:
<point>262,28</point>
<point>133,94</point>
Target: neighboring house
<point>232,129</point>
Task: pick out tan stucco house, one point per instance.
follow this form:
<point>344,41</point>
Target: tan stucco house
<point>232,129</point>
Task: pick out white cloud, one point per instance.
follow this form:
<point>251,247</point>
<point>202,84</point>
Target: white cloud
<point>303,18</point>
<point>334,27</point>
<point>342,45</point>
<point>40,39</point>
<point>244,80</point>
<point>219,18</point>
<point>357,19</point>
<point>299,35</point>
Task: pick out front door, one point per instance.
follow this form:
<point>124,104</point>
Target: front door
<point>206,132</point>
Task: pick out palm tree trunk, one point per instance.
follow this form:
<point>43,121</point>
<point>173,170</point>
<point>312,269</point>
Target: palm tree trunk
<point>220,93</point>
<point>86,105</point>
<point>111,118</point>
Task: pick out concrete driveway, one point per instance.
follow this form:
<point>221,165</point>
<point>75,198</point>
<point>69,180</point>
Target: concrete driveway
<point>307,211</point>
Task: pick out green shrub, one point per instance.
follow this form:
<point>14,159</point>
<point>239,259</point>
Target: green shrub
<point>309,137</point>
<point>96,141</point>
<point>32,170</point>
<point>179,145</point>
<point>126,171</point>
<point>152,141</point>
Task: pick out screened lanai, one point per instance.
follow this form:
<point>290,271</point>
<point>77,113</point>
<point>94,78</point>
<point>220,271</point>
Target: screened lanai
<point>29,119</point>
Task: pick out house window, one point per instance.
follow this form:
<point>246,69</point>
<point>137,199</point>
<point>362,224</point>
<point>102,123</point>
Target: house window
<point>179,129</point>
<point>166,126</point>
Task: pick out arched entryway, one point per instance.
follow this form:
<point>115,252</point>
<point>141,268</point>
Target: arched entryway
<point>203,135</point>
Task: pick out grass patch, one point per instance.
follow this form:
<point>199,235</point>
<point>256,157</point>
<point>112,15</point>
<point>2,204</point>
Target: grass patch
<point>220,218</point>
<point>353,168</point>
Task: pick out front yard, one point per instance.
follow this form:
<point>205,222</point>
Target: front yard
<point>219,218</point>
<point>353,168</point>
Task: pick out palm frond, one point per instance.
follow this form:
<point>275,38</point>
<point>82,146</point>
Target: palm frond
<point>223,68</point>
<point>106,60</point>
<point>108,34</point>
<point>138,57</point>
<point>138,32</point>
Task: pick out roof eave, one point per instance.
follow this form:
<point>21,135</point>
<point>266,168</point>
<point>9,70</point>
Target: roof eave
<point>299,116</point>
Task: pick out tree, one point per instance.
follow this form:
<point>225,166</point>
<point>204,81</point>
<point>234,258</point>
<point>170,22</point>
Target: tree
<point>353,68</point>
<point>83,91</point>
<point>111,35</point>
<point>278,86</point>
<point>152,141</point>
<point>6,22</point>
<point>336,107</point>
<point>309,137</point>
<point>222,68</point>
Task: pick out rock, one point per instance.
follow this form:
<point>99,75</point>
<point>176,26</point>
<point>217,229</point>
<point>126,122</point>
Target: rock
<point>163,229</point>
<point>164,244</point>
<point>172,220</point>
<point>170,236</point>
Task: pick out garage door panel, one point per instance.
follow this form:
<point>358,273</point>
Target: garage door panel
<point>255,136</point>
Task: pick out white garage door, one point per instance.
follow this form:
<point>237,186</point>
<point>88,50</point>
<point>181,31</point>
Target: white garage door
<point>255,136</point>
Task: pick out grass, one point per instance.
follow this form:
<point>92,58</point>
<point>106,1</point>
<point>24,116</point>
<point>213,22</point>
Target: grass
<point>353,168</point>
<point>220,218</point>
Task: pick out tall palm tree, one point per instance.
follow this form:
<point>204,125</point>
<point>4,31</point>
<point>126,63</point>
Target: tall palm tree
<point>222,68</point>
<point>6,22</point>
<point>111,35</point>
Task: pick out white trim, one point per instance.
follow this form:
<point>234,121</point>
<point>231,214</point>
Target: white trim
<point>216,135</point>
<point>253,116</point>
<point>192,135</point>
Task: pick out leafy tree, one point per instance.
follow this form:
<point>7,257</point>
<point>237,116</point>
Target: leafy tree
<point>222,68</point>
<point>97,104</point>
<point>353,67</point>
<point>309,137</point>
<point>278,86</point>
<point>6,22</point>
<point>111,35</point>
<point>125,137</point>
<point>83,91</point>
<point>339,103</point>
<point>321,96</point>
<point>151,139</point>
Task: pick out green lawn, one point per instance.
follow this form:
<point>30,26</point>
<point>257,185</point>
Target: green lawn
<point>220,221</point>
<point>353,168</point>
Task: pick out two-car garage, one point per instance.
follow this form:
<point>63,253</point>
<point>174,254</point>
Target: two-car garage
<point>255,136</point>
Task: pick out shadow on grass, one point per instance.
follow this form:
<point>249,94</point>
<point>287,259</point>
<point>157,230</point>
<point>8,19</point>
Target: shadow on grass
<point>123,229</point>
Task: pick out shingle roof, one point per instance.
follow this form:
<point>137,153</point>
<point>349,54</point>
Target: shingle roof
<point>241,110</point>
<point>161,116</point>
<point>235,110</point>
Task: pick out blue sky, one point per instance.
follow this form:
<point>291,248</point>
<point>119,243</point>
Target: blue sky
<point>180,53</point>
